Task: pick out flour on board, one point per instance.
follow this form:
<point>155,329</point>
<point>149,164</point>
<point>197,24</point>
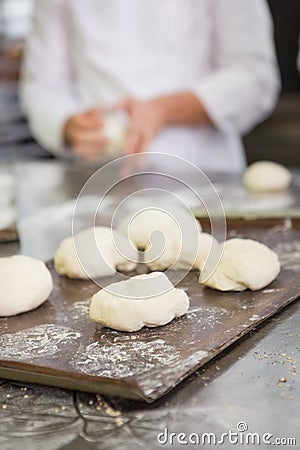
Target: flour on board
<point>41,341</point>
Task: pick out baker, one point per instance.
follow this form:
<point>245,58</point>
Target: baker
<point>193,76</point>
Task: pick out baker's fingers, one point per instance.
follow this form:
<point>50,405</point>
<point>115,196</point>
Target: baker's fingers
<point>123,105</point>
<point>93,137</point>
<point>90,119</point>
<point>133,142</point>
<point>97,111</point>
<point>88,123</point>
<point>144,144</point>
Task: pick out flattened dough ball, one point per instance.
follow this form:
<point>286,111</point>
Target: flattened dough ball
<point>25,283</point>
<point>266,177</point>
<point>245,264</point>
<point>95,252</point>
<point>145,300</point>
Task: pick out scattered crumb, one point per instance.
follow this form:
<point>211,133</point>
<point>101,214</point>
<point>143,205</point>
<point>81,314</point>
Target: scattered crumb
<point>285,361</point>
<point>119,421</point>
<point>112,412</point>
<point>282,380</point>
<point>101,403</point>
<point>286,396</point>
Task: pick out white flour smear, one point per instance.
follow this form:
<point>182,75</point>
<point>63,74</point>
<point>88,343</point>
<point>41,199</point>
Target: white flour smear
<point>125,358</point>
<point>41,341</point>
<point>289,255</point>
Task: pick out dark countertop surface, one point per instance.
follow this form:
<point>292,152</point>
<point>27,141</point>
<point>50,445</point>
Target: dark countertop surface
<point>252,385</point>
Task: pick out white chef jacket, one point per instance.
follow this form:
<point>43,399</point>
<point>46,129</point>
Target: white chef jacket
<point>96,52</point>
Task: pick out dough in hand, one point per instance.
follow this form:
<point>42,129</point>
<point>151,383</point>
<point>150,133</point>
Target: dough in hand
<point>115,131</point>
<point>145,300</point>
<point>25,283</point>
<point>95,252</point>
<point>245,264</point>
<point>167,236</point>
<point>267,176</point>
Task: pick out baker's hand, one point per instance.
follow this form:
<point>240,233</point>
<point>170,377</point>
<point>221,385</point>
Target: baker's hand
<point>147,118</point>
<point>83,133</point>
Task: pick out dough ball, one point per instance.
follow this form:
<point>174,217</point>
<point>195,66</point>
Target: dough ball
<point>245,264</point>
<point>207,245</point>
<point>25,283</point>
<point>145,300</point>
<point>139,226</point>
<point>267,176</point>
<point>115,129</point>
<point>95,252</point>
<point>166,235</point>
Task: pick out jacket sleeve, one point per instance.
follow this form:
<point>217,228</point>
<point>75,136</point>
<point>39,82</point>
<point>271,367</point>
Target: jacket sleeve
<point>46,90</point>
<point>243,88</point>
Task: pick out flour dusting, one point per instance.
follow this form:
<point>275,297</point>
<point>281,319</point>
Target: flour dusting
<point>155,364</point>
<point>158,379</point>
<point>254,318</point>
<point>80,310</point>
<point>41,341</point>
<point>124,358</point>
<point>208,316</point>
<point>289,254</point>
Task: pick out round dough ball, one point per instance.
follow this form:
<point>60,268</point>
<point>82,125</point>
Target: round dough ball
<point>167,236</point>
<point>140,225</point>
<point>207,245</point>
<point>95,252</point>
<point>115,130</point>
<point>245,264</point>
<point>267,176</point>
<point>145,300</point>
<point>25,283</point>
